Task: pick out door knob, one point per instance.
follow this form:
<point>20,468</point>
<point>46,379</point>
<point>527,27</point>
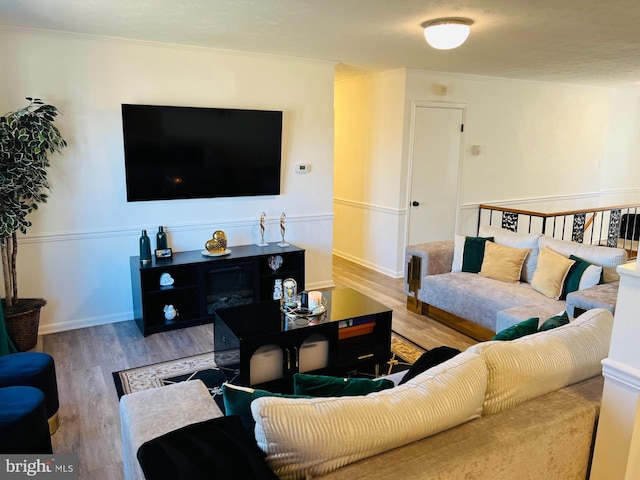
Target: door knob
<point>415,204</point>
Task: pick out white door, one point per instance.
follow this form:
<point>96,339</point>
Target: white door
<point>435,168</point>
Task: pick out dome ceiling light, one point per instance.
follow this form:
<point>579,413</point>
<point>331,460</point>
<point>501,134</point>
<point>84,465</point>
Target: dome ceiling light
<point>446,33</point>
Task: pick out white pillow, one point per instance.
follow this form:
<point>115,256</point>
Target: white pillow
<point>458,252</point>
<point>516,240</point>
<point>310,437</point>
<point>540,363</point>
<point>590,277</point>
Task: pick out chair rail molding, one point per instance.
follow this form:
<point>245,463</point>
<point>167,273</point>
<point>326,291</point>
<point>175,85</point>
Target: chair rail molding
<point>173,228</point>
<point>399,212</point>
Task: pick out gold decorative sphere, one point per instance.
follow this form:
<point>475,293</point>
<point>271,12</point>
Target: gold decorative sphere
<point>218,242</point>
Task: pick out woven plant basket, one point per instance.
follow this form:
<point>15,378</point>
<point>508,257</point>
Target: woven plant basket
<point>23,328</point>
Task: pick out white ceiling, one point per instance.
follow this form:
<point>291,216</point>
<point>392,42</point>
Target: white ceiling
<point>592,42</point>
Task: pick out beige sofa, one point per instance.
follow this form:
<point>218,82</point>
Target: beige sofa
<point>480,306</point>
<point>500,410</point>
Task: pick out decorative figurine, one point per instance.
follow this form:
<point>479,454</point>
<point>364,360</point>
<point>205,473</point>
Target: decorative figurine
<point>290,292</point>
<point>282,229</point>
<point>277,289</point>
<point>218,244</point>
<point>166,280</point>
<point>170,312</point>
<point>262,243</point>
<point>275,262</point>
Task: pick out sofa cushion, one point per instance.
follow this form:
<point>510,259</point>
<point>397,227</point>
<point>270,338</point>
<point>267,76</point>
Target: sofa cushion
<point>503,263</point>
<point>546,361</point>
<point>309,437</point>
<point>600,296</point>
<point>526,327</point>
<point>607,257</point>
<point>516,240</point>
<point>551,272</point>
<point>480,299</point>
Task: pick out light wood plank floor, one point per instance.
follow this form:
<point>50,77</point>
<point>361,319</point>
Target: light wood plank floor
<point>85,359</point>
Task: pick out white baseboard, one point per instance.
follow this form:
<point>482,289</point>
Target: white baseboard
<point>46,329</point>
<point>364,263</point>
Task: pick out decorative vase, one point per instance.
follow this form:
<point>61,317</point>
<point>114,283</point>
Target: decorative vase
<point>218,242</point>
<point>145,248</point>
<point>161,239</point>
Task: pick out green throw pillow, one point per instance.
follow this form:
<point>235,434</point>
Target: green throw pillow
<point>518,330</point>
<point>237,401</point>
<point>555,321</point>
<point>326,386</point>
<point>473,253</point>
<point>572,280</point>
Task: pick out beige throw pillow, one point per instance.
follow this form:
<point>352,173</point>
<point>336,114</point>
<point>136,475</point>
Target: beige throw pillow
<point>516,240</point>
<point>503,263</point>
<point>551,272</point>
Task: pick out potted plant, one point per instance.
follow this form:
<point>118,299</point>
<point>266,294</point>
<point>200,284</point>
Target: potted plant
<point>27,137</point>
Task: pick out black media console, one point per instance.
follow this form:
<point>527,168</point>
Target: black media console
<point>194,285</point>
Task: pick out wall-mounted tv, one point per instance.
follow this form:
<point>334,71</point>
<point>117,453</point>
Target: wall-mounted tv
<point>186,152</point>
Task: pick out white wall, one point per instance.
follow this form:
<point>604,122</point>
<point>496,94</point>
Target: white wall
<point>543,145</point>
<point>76,255</point>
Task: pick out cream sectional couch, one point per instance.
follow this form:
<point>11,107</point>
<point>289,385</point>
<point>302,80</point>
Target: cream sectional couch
<point>480,306</point>
<point>500,410</point>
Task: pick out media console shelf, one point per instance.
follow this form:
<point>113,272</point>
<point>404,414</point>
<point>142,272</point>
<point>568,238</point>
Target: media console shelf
<point>195,285</point>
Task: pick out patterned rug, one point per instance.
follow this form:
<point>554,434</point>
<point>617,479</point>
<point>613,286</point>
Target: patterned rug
<point>203,367</point>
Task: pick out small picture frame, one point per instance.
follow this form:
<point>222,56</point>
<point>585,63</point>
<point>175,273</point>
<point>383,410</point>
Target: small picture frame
<point>163,253</point>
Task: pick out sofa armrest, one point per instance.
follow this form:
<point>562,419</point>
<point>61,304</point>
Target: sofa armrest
<point>424,259</point>
<point>151,413</point>
<point>603,295</point>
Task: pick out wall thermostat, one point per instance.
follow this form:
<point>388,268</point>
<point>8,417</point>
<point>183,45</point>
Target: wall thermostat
<point>303,167</point>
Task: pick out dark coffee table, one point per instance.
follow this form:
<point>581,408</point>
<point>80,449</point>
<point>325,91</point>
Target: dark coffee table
<point>353,335</point>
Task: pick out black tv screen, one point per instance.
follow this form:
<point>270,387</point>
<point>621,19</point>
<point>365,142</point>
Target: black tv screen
<point>187,152</point>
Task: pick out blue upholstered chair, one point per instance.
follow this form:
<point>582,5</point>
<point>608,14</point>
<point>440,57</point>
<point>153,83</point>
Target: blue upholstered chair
<point>23,421</point>
<point>29,369</point>
<point>33,369</point>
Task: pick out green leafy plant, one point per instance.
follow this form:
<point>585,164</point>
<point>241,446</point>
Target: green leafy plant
<point>27,137</point>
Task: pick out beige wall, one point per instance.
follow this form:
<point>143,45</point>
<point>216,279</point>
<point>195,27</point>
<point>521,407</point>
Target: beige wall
<point>77,253</point>
<point>543,145</point>
<point>369,126</point>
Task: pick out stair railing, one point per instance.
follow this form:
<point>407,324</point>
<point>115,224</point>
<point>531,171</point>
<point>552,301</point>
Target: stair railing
<point>613,226</point>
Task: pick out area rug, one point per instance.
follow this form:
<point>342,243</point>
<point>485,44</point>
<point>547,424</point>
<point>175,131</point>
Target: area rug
<point>203,367</point>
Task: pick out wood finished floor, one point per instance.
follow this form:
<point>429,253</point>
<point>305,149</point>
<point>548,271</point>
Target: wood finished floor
<point>85,359</point>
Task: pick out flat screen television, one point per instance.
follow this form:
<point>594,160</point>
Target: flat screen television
<point>186,152</point>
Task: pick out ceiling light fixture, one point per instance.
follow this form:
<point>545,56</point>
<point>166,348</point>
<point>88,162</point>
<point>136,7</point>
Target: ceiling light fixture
<point>446,33</point>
